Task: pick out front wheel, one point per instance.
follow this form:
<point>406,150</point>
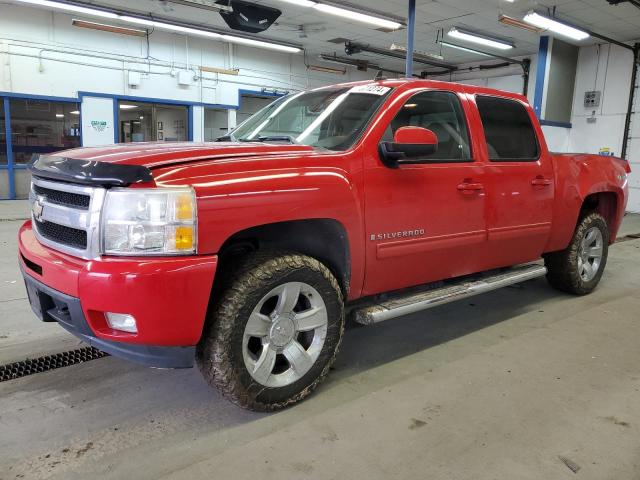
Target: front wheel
<point>274,332</point>
<point>579,267</point>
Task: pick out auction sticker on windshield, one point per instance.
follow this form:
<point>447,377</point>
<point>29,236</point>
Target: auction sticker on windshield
<point>372,89</point>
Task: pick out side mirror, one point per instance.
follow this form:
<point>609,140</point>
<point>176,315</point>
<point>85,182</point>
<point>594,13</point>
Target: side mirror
<point>408,146</point>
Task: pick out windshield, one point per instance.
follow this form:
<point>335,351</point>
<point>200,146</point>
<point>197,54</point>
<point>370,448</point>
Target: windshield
<point>331,118</point>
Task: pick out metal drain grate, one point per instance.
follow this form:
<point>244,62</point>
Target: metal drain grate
<point>15,370</point>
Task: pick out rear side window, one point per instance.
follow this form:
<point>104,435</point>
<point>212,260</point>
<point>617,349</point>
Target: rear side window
<point>507,129</point>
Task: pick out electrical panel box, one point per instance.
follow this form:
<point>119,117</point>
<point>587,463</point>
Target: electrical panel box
<point>592,98</point>
<point>135,78</point>
<point>185,77</point>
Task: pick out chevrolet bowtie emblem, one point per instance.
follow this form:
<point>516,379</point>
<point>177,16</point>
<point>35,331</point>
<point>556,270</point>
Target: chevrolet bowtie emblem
<point>37,209</point>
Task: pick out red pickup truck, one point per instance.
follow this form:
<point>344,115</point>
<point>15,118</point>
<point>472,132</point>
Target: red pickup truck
<point>381,198</point>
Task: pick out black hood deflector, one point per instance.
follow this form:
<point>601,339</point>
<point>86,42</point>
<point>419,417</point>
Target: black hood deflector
<point>89,172</point>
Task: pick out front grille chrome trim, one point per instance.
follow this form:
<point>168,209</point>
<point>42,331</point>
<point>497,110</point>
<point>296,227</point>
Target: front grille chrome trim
<point>87,220</point>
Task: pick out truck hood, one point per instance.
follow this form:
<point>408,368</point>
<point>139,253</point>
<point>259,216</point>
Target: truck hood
<point>160,154</point>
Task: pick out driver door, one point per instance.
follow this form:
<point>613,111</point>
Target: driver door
<point>425,222</point>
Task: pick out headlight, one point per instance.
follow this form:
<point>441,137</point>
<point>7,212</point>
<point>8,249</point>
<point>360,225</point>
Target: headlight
<point>153,221</point>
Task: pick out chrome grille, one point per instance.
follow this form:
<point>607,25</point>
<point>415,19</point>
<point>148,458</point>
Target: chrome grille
<point>66,217</point>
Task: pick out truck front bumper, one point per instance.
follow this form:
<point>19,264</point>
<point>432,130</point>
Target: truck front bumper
<point>168,297</point>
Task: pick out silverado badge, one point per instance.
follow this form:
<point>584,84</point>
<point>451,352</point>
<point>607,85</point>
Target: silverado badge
<point>397,235</point>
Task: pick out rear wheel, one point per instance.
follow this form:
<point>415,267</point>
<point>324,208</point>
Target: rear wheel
<point>579,267</point>
<point>274,332</point>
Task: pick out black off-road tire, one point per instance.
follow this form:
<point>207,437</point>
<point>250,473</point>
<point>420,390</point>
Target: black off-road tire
<point>219,353</point>
<point>562,266</point>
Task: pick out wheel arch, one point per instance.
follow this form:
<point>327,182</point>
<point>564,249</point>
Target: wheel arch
<point>324,239</point>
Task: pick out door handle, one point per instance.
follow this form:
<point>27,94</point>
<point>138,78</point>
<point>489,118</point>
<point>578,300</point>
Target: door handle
<point>469,188</point>
<point>540,182</point>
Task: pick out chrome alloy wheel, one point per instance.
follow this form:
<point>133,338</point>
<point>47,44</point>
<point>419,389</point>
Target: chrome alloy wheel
<point>285,334</point>
<point>590,254</point>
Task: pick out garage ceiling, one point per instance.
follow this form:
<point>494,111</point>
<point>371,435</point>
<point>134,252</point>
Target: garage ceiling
<point>621,22</point>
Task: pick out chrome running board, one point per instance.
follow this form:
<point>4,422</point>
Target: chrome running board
<point>400,304</point>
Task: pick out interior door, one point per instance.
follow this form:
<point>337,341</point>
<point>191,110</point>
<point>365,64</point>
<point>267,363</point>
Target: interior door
<point>425,222</point>
<point>519,181</point>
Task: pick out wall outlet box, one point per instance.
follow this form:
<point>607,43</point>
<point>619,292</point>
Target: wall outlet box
<point>592,98</point>
<point>185,77</point>
<point>135,79</point>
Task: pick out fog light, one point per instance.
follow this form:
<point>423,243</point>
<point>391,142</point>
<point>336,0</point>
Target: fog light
<point>122,321</point>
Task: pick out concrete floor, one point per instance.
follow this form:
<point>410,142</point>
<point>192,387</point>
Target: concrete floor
<point>522,383</point>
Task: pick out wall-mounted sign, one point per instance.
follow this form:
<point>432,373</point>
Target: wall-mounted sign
<point>99,125</point>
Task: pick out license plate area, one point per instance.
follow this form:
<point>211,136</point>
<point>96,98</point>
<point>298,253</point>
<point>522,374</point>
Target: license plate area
<point>40,302</point>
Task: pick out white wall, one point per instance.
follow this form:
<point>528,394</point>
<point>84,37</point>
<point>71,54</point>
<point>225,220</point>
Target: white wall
<point>606,68</point>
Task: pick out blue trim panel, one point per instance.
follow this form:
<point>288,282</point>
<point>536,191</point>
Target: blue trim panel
<point>552,123</point>
<point>75,323</point>
<point>190,123</point>
<point>38,97</point>
<point>9,142</point>
<point>541,73</point>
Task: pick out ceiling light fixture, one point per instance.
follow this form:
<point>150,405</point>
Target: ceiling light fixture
<point>468,36</point>
<point>339,11</point>
<point>71,8</point>
<point>416,53</point>
<point>464,49</point>
<point>75,112</point>
<point>59,115</point>
<point>514,22</point>
<point>163,25</point>
<point>124,106</point>
<point>555,26</point>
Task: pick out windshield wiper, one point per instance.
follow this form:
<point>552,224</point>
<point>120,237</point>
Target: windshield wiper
<point>227,138</point>
<point>277,138</point>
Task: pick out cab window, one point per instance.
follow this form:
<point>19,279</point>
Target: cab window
<point>508,130</point>
<point>440,112</point>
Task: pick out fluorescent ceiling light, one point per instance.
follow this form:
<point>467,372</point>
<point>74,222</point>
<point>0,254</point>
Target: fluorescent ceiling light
<point>59,115</point>
<point>259,43</point>
<point>555,26</point>
<point>347,13</point>
<point>300,3</point>
<point>70,8</point>
<point>475,38</point>
<point>75,112</point>
<point>164,25</point>
<point>358,16</point>
<point>416,53</point>
<point>124,106</point>
<point>464,49</point>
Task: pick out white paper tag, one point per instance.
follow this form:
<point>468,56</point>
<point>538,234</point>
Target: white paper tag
<point>371,89</point>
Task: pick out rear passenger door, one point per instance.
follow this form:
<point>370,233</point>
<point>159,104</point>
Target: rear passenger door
<point>520,181</point>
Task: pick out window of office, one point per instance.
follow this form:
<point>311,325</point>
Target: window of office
<point>41,126</point>
<point>440,112</point>
<point>507,129</point>
<point>216,123</point>
<point>149,122</point>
